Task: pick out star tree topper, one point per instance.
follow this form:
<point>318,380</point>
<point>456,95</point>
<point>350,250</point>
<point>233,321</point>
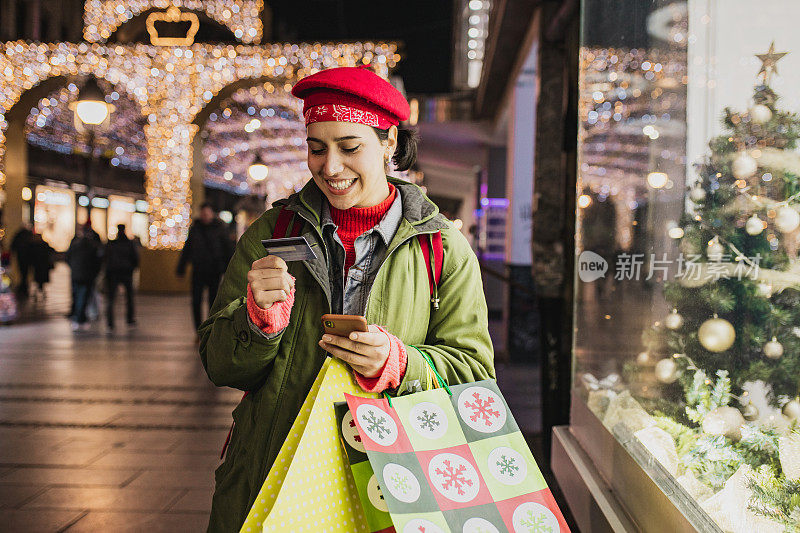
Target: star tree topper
<point>769,62</point>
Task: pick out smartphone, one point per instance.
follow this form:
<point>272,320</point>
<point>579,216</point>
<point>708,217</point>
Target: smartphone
<point>343,325</point>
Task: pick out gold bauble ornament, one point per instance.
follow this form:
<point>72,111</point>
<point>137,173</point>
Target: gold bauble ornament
<point>697,194</point>
<point>744,166</point>
<point>716,334</point>
<point>750,412</point>
<point>754,225</point>
<point>792,409</point>
<point>667,371</point>
<point>764,290</point>
<point>760,114</point>
<point>787,219</point>
<point>643,358</point>
<point>773,349</point>
<point>674,320</point>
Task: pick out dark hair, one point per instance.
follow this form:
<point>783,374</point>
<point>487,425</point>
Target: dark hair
<point>208,205</point>
<point>406,153</point>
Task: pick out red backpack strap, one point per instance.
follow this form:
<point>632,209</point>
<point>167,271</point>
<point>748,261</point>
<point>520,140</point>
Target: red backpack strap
<point>297,227</point>
<point>438,255</point>
<point>425,241</point>
<point>282,225</point>
<point>426,253</point>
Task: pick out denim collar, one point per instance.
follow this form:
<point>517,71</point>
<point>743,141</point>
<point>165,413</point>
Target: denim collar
<point>387,227</point>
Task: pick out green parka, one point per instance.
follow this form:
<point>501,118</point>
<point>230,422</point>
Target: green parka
<point>279,371</point>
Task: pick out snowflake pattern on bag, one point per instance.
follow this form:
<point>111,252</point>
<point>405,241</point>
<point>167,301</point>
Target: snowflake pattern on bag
<point>481,409</point>
<point>479,525</point>
<point>401,483</point>
<point>429,420</point>
<point>420,525</point>
<point>533,517</point>
<point>378,425</point>
<point>507,465</point>
<point>454,477</point>
<point>375,495</point>
<point>465,451</point>
<point>350,432</point>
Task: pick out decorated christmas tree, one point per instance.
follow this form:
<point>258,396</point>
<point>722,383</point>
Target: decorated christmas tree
<point>729,352</point>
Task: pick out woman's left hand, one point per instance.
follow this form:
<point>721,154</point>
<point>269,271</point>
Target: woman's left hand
<point>365,352</point>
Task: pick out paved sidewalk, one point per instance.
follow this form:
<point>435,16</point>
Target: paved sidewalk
<point>108,433</point>
<point>122,432</point>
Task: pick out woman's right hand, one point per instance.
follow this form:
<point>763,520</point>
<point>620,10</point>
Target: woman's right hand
<point>270,281</point>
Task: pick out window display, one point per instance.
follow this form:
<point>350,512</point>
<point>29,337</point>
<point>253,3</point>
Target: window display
<point>120,211</point>
<point>688,261</point>
<point>139,227</point>
<point>54,216</point>
<point>99,216</point>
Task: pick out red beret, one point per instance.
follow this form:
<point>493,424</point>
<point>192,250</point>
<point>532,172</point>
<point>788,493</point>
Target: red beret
<point>351,94</point>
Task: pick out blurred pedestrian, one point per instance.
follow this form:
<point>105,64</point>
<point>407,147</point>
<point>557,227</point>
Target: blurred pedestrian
<point>208,248</point>
<point>93,307</point>
<point>84,258</point>
<point>21,248</point>
<point>121,259</point>
<point>42,262</point>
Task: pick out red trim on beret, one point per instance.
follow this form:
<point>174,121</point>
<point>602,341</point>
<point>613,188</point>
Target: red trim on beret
<point>356,88</point>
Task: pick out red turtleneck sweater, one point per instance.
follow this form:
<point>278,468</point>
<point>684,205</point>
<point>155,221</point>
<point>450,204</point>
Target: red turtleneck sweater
<point>354,222</point>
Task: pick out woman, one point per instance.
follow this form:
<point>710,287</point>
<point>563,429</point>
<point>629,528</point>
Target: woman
<point>265,334</point>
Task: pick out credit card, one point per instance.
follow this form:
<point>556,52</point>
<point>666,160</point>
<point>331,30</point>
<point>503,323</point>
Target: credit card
<point>290,248</point>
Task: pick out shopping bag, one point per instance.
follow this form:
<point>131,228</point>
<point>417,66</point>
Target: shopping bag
<point>309,487</point>
<point>369,492</point>
<point>454,460</point>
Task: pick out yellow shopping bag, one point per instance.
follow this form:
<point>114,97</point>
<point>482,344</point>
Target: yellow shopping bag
<point>310,487</point>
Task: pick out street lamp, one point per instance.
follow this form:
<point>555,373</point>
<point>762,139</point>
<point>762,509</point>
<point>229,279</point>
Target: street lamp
<point>91,106</point>
<point>91,110</point>
<point>258,170</point>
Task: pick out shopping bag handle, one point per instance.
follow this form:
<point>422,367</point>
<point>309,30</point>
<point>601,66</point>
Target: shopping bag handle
<point>442,382</point>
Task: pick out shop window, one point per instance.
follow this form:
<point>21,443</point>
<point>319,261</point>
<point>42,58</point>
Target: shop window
<point>687,343</point>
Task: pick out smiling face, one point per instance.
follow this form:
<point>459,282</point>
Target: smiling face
<point>348,161</point>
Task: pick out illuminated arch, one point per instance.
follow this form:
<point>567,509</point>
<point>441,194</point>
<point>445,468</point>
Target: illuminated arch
<point>101,18</point>
<point>171,85</point>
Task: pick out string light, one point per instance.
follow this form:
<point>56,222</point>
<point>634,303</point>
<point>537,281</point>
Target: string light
<point>279,133</point>
<point>101,18</point>
<point>171,85</point>
<point>627,99</point>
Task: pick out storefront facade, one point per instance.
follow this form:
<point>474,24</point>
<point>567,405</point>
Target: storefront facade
<point>57,210</point>
<point>685,359</point>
